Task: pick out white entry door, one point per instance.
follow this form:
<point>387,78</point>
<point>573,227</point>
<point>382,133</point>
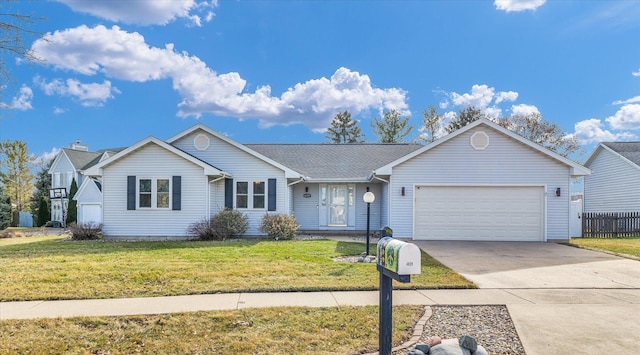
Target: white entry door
<point>338,205</point>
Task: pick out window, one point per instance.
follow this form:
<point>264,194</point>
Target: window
<point>258,194</point>
<point>242,194</point>
<point>70,178</point>
<point>163,193</point>
<point>154,193</point>
<point>56,179</point>
<point>145,193</point>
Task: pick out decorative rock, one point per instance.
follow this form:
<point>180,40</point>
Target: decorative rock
<point>468,342</point>
<point>416,352</point>
<point>423,347</point>
<point>449,347</point>
<point>433,341</point>
<point>361,259</point>
<point>480,351</point>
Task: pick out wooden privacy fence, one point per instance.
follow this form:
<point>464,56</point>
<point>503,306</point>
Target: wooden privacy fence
<point>610,225</point>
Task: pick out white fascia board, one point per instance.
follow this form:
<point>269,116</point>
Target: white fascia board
<point>576,169</point>
<point>96,170</point>
<point>56,161</point>
<point>288,173</point>
<point>601,147</point>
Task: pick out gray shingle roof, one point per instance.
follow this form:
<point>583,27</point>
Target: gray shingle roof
<point>629,150</point>
<point>81,159</point>
<point>334,161</point>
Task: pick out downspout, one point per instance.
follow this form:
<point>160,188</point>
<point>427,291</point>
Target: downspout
<point>374,177</point>
<point>223,176</point>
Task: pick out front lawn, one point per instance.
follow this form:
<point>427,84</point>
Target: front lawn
<point>38,268</point>
<point>627,246</point>
<point>343,330</point>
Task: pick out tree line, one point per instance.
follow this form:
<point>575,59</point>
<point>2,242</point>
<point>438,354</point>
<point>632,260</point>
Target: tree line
<point>392,127</point>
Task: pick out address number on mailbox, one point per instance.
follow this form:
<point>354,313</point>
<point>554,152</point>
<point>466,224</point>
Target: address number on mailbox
<point>398,256</point>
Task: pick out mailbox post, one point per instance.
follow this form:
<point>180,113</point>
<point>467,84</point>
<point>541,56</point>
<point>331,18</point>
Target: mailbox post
<point>397,260</point>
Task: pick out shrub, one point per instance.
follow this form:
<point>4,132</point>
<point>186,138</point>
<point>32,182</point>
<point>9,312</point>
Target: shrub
<point>279,226</point>
<point>224,224</point>
<point>85,231</point>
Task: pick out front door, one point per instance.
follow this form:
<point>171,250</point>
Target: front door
<point>338,205</point>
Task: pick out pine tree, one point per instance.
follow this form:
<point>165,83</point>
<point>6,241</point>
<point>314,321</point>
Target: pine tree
<point>42,185</point>
<point>5,209</point>
<point>72,206</point>
<point>392,128</point>
<point>344,130</point>
<point>464,117</point>
<point>44,213</point>
<point>431,124</point>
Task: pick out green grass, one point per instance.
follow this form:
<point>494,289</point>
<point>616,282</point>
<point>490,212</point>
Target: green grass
<point>626,246</point>
<point>345,330</point>
<point>39,268</point>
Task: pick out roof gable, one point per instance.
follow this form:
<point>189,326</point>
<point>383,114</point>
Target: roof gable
<point>629,152</point>
<point>576,169</point>
<point>89,189</point>
<point>289,173</point>
<point>209,169</point>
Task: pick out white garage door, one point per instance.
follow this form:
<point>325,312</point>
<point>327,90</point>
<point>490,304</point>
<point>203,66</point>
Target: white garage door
<point>91,213</point>
<point>498,213</point>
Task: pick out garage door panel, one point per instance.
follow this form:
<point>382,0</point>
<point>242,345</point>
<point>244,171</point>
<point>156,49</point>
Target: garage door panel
<point>479,213</point>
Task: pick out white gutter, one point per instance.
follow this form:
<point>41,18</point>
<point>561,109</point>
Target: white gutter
<point>304,178</point>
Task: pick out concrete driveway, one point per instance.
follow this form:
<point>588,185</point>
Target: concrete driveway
<point>534,265</point>
<point>575,301</point>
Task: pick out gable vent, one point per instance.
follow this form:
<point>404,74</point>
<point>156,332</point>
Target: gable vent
<point>201,142</point>
<point>479,141</point>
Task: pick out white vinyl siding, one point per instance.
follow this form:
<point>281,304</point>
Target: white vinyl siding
<point>243,167</point>
<point>613,186</point>
<point>144,162</point>
<point>504,162</point>
<point>376,207</point>
<point>306,209</point>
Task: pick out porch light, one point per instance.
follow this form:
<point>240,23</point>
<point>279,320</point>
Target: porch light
<point>558,192</point>
<point>368,198</point>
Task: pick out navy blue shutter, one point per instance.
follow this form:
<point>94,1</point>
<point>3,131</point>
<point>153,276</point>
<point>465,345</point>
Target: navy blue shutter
<point>177,193</point>
<point>228,193</point>
<point>131,192</point>
<point>271,206</point>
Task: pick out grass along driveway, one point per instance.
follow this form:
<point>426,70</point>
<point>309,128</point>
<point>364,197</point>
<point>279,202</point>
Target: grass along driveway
<point>48,268</point>
<point>622,246</point>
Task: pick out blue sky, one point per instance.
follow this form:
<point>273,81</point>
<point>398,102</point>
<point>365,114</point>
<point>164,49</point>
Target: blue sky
<point>115,72</point>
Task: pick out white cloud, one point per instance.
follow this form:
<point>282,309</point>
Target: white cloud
<point>45,157</point>
<point>125,56</point>
<point>518,5</point>
<point>481,97</point>
<point>92,94</point>
<point>636,73</point>
<point>591,131</point>
<point>59,110</point>
<point>506,96</point>
<point>22,101</point>
<point>524,109</point>
<point>627,117</point>
<point>628,101</point>
<point>145,12</point>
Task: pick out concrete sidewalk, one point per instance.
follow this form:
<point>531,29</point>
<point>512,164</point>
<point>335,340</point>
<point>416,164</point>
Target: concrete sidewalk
<point>517,298</point>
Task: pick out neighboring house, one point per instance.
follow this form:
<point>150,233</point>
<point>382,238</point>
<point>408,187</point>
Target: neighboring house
<point>70,164</point>
<point>481,182</point>
<point>614,184</point>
